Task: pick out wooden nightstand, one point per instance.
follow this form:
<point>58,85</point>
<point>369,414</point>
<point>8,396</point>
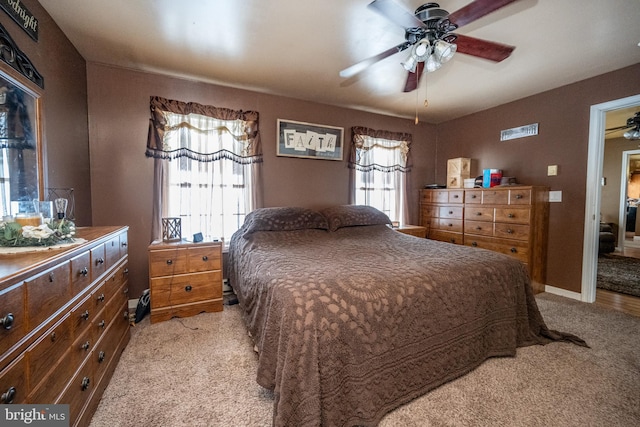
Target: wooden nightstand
<point>184,279</point>
<point>413,230</point>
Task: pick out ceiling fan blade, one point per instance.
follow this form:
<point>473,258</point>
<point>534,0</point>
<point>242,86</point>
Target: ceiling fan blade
<point>483,48</point>
<point>618,128</point>
<point>414,78</point>
<point>362,65</point>
<point>476,10</point>
<point>396,13</point>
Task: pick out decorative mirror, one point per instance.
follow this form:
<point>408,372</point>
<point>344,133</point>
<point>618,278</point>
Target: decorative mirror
<point>21,163</point>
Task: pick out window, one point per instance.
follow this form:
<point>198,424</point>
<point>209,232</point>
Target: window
<point>207,167</point>
<point>379,162</point>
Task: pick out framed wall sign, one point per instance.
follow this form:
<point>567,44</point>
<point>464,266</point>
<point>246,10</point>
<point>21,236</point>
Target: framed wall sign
<point>310,141</point>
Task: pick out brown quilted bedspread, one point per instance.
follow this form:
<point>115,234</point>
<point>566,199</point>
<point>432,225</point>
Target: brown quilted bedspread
<point>353,323</point>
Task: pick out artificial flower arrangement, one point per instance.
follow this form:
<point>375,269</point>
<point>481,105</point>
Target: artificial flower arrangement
<point>51,233</point>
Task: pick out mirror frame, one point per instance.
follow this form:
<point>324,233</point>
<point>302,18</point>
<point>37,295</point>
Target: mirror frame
<point>16,68</point>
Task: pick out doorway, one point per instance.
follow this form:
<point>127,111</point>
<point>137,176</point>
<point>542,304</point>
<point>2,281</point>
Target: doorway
<point>597,129</point>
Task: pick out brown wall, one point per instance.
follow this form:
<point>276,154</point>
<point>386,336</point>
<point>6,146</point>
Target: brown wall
<point>122,177</point>
<point>64,102</point>
<point>563,140</point>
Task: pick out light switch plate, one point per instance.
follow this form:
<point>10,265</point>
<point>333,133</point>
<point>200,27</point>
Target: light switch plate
<point>555,196</point>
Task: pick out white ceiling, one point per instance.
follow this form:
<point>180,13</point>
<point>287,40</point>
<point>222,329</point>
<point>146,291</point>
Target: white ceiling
<point>296,48</point>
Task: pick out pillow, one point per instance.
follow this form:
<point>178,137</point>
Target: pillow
<point>352,215</point>
<point>283,219</point>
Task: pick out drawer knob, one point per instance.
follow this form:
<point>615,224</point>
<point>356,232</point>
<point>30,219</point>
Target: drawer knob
<point>511,215</point>
<point>473,196</point>
<point>510,231</point>
<point>452,240</point>
<point>125,315</point>
<point>85,346</point>
<point>478,228</point>
<point>519,196</point>
<point>51,277</point>
<point>479,213</point>
<point>124,244</point>
<point>84,272</point>
<point>474,244</point>
<point>85,315</point>
<point>101,324</point>
<point>514,250</point>
<point>53,337</point>
<point>455,196</point>
<point>169,262</point>
<point>8,396</point>
<point>100,261</point>
<point>450,225</point>
<point>100,297</point>
<point>205,258</point>
<point>7,321</point>
<point>85,383</point>
<point>188,288</point>
<point>450,212</point>
<point>101,357</point>
<point>125,271</point>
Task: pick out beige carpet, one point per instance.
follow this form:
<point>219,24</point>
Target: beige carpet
<point>200,371</point>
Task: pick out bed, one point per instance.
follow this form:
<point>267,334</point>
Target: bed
<point>352,319</point>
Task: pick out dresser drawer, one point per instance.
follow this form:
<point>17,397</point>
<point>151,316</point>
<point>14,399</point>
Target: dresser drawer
<point>167,262</point>
<point>495,197</point>
<point>49,388</point>
<point>512,231</point>
<point>204,258</point>
<point>98,262</point>
<point>445,236</point>
<point>83,315</point>
<point>12,317</point>
<point>482,228</point>
<point>450,225</point>
<point>473,197</point>
<point>80,388</point>
<point>429,211</point>
<point>80,272</point>
<point>166,291</point>
<point>516,249</point>
<point>450,212</point>
<point>425,196</point>
<point>47,293</point>
<point>112,251</point>
<point>478,213</point>
<point>513,215</point>
<point>520,197</point>
<point>50,347</point>
<point>13,382</point>
<point>456,196</point>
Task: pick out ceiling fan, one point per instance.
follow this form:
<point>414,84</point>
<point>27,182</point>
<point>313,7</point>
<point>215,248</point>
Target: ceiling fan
<point>429,35</point>
<point>633,126</point>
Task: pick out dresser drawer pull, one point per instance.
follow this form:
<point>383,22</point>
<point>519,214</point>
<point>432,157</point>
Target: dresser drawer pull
<point>509,231</point>
<point>169,262</point>
<point>100,297</point>
<point>474,244</point>
<point>85,315</point>
<point>85,346</point>
<point>125,291</point>
<point>473,196</point>
<point>478,228</point>
<point>124,244</point>
<point>126,315</point>
<point>53,337</point>
<point>85,383</point>
<point>9,395</point>
<point>100,261</point>
<point>519,196</point>
<point>101,357</point>
<point>205,258</point>
<point>7,321</point>
<point>455,196</point>
<point>188,288</point>
<point>125,271</point>
<point>450,212</point>
<point>511,215</point>
<point>514,250</point>
<point>84,272</point>
<point>452,240</point>
<point>101,324</point>
<point>478,213</point>
<point>51,277</point>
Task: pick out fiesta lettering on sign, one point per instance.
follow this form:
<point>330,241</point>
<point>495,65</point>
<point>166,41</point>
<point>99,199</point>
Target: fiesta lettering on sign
<point>22,16</point>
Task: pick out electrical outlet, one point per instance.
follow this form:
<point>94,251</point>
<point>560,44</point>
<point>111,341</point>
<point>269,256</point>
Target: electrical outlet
<point>552,170</point>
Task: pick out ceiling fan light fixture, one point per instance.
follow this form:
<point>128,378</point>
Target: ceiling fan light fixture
<point>432,64</point>
<point>444,51</point>
<point>632,134</point>
<point>410,63</point>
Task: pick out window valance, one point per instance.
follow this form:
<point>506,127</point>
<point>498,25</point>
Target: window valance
<point>239,137</point>
<point>366,142</point>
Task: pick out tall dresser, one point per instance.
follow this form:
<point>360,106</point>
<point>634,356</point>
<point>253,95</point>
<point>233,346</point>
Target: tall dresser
<point>512,220</point>
<point>64,321</point>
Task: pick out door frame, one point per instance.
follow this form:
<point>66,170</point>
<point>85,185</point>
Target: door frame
<point>595,160</point>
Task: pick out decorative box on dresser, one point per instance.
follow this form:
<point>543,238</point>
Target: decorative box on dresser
<point>64,321</point>
<point>184,278</point>
<point>512,220</point>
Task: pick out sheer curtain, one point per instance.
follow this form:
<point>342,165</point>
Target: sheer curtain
<point>207,167</point>
<point>380,162</point>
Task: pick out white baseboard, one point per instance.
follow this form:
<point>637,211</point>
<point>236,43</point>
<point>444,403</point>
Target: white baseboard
<point>563,292</point>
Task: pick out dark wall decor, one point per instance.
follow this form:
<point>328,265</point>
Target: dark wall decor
<point>22,16</point>
<point>10,54</point>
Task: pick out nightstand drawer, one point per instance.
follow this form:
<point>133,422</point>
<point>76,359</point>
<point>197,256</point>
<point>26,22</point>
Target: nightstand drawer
<point>184,289</point>
<point>205,258</point>
<point>168,262</point>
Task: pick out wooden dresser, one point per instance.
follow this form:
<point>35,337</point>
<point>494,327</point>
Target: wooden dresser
<point>184,279</point>
<point>64,321</point>
<point>512,220</point>
<point>413,230</point>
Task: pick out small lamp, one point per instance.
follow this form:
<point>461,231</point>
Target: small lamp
<point>171,229</point>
